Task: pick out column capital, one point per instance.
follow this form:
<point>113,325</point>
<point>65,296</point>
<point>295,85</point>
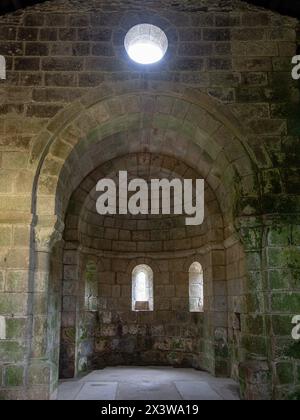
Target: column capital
<point>265,220</point>
<point>48,231</point>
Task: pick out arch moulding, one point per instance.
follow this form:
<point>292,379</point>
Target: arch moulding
<point>115,108</point>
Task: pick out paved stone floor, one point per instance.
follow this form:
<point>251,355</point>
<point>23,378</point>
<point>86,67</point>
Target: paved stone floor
<point>148,383</point>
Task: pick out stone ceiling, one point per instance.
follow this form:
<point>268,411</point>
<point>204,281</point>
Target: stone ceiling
<point>287,7</point>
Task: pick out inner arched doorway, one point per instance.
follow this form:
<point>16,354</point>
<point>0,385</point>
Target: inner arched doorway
<point>147,132</point>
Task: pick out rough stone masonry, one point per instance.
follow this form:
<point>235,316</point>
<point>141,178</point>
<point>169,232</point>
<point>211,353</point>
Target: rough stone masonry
<point>221,106</point>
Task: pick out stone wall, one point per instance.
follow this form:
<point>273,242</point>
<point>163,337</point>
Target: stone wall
<point>237,59</point>
<point>282,254</point>
<point>169,335</point>
<point>116,335</point>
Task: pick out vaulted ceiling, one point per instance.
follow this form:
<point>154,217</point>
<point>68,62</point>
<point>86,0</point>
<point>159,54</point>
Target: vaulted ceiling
<point>286,7</point>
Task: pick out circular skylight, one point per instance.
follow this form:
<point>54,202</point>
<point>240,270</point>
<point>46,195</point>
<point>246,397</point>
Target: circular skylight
<point>146,44</point>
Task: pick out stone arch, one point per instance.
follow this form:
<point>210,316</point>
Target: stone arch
<point>83,198</point>
<point>196,258</point>
<point>134,105</point>
<point>173,117</point>
<point>143,261</point>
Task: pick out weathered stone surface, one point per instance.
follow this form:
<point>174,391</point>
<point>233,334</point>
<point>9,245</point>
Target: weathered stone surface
<point>229,113</point>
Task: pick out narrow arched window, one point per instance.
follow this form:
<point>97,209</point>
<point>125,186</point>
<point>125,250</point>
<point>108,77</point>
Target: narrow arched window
<point>91,286</point>
<point>142,288</point>
<point>196,291</point>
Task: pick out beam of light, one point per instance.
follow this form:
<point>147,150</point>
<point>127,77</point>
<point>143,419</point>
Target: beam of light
<point>141,288</point>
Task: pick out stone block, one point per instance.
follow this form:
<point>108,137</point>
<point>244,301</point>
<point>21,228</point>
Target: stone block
<point>227,19</point>
<point>5,236</point>
<point>16,328</point>
<point>70,272</point>
<point>126,291</point>
<point>21,236</point>
<point>276,258</point>
<point>67,34</point>
<point>195,49</point>
<point>116,291</point>
<point>36,49</point>
<point>48,34</point>
<point>219,64</point>
<point>69,303</point>
<point>285,302</point>
<point>55,19</point>
<point>285,373</point>
<point>216,35</point>
<point>14,160</point>
<point>256,19</point>
<point>11,352</point>
<point>14,375</point>
<point>279,279</point>
<point>13,303</point>
<point>27,64</point>
<point>264,49</point>
<point>34,19</point>
<point>255,380</point>
<point>108,277</point>
<point>17,281</point>
<point>281,325</point>
<point>62,64</point>
<point>39,374</point>
<point>2,281</point>
<point>187,63</point>
<point>60,79</point>
<point>296,235</point>
<point>27,34</point>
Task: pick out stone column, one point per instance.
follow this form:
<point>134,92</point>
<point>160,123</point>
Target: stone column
<point>282,276</point>
<point>272,356</point>
<point>220,313</point>
<point>15,297</point>
<point>47,232</point>
<point>255,363</point>
<point>70,302</point>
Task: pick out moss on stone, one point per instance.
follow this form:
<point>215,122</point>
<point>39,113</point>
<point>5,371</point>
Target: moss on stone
<point>15,327</point>
<point>294,351</point>
<point>295,279</point>
<point>286,302</point>
<point>292,257</point>
<point>285,373</point>
<point>276,258</point>
<point>252,238</point>
<point>294,396</point>
<point>280,235</point>
<point>14,375</point>
<point>282,324</point>
<point>11,351</point>
<point>296,235</point>
<point>254,324</point>
<point>279,279</point>
<point>255,346</point>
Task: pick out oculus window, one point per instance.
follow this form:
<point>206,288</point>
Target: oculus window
<point>146,44</point>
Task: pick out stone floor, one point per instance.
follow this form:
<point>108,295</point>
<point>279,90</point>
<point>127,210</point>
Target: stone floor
<point>148,383</point>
